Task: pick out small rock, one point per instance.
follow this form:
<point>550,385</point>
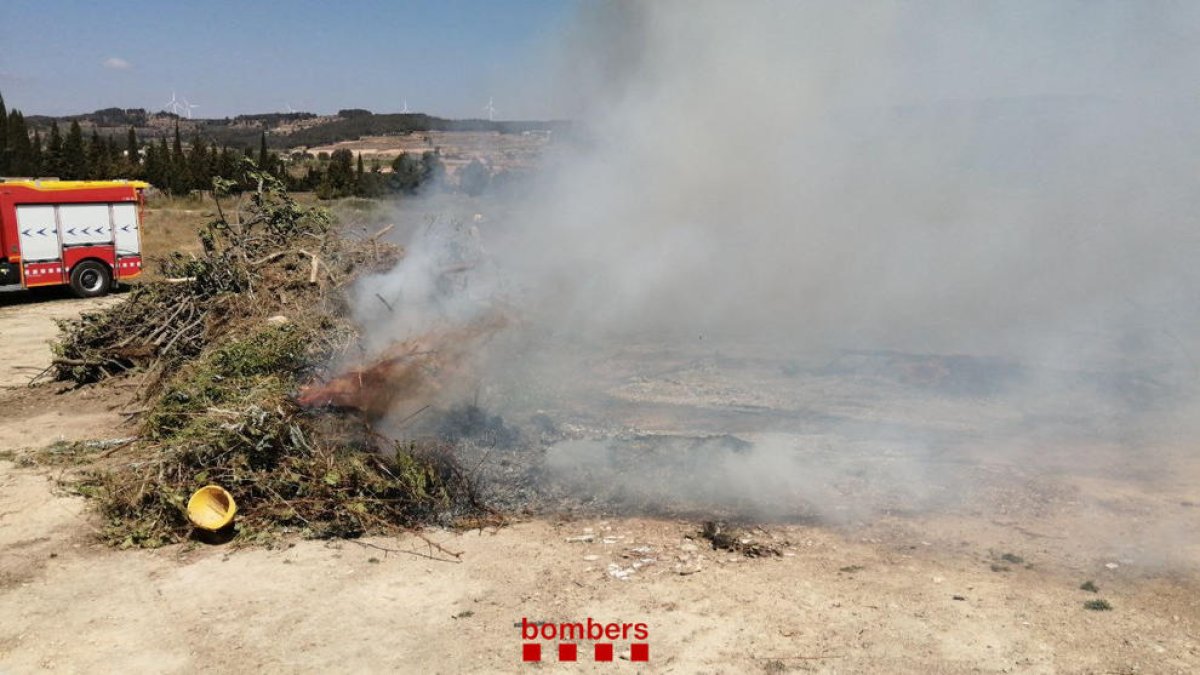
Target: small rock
<point>615,571</point>
<point>1111,566</point>
<point>590,558</point>
<point>278,319</point>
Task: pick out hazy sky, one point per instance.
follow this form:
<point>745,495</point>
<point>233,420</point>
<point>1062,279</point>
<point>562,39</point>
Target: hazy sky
<point>445,58</point>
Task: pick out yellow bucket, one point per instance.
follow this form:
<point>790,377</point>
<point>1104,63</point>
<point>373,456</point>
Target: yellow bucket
<point>211,508</point>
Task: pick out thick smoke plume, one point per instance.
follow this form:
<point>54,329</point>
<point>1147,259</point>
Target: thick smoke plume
<point>1013,182</point>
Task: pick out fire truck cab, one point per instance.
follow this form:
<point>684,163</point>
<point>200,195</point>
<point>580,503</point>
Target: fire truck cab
<point>82,233</point>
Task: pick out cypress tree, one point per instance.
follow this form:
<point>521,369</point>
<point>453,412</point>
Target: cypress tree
<point>263,158</point>
<point>199,178</point>
<point>97,164</point>
<point>19,151</point>
<point>36,160</point>
<point>178,178</point>
<point>52,162</point>
<point>164,167</point>
<point>112,155</point>
<point>3,138</point>
<point>132,157</point>
<point>75,163</point>
<point>152,170</point>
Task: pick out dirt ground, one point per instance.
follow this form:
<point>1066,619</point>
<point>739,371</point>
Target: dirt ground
<point>990,586</point>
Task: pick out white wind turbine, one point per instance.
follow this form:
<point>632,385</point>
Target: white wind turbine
<point>174,106</point>
<point>404,110</point>
<point>490,110</point>
<point>289,107</point>
<point>187,107</point>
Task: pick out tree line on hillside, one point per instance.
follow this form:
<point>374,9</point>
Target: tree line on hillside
<point>178,168</point>
<point>72,156</point>
<point>344,175</point>
<point>244,130</point>
<point>356,123</point>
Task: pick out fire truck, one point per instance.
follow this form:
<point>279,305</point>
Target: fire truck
<point>82,233</point>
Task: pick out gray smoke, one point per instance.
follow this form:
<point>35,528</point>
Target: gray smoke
<point>1014,183</point>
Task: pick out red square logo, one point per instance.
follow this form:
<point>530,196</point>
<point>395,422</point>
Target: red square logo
<point>531,651</point>
<point>639,651</point>
<point>567,651</point>
<point>604,651</point>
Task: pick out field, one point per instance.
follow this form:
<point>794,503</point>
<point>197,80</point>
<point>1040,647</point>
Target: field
<point>457,148</point>
<point>872,581</point>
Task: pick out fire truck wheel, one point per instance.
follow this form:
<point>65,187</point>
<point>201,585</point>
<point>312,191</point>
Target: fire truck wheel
<point>90,279</point>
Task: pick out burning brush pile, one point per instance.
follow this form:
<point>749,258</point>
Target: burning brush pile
<point>222,347</point>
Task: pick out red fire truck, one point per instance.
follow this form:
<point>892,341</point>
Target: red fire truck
<point>82,233</point>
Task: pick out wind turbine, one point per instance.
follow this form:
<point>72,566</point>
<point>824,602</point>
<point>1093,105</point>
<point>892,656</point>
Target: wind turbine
<point>187,107</point>
<point>490,110</point>
<point>405,111</point>
<point>174,106</point>
<point>289,107</point>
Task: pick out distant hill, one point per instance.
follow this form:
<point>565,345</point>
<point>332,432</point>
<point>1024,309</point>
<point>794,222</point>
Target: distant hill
<point>284,130</point>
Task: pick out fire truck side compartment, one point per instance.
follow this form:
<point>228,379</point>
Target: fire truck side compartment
<point>46,229</point>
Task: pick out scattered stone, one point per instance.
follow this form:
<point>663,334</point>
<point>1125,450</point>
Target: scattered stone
<point>617,572</point>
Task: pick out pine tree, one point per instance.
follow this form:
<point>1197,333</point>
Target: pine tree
<point>406,173</point>
<point>226,164</point>
<point>52,162</point>
<point>340,174</point>
<point>75,164</point>
<point>433,171</point>
<point>474,178</point>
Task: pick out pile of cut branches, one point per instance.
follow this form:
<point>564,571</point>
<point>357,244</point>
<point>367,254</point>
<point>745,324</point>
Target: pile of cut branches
<point>224,343</point>
<point>269,256</point>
